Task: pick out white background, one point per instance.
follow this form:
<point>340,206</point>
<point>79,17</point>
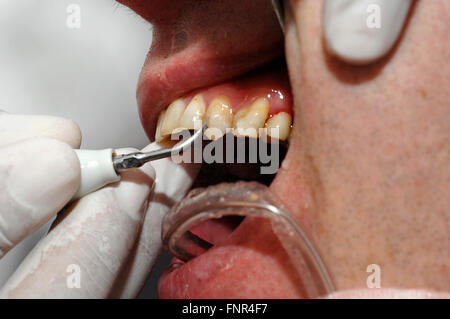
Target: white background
<point>88,74</point>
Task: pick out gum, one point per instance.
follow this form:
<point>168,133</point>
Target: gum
<point>272,84</point>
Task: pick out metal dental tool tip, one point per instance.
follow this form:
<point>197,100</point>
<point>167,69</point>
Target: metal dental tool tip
<point>102,167</point>
<point>124,162</point>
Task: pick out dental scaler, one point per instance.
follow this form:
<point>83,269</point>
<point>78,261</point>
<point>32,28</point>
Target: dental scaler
<point>103,167</point>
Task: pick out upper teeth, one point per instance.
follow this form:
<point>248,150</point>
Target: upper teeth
<point>172,117</point>
<point>282,121</point>
<point>248,121</point>
<point>220,116</point>
<point>195,111</point>
<point>158,135</point>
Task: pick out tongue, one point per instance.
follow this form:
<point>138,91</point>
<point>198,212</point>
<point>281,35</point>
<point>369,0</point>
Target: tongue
<point>250,263</point>
<point>215,231</point>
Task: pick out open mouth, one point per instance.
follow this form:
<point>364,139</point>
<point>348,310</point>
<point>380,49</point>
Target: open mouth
<point>255,102</point>
<point>227,68</point>
<point>259,99</point>
<point>250,109</point>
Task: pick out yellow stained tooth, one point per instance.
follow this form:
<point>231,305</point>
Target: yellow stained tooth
<point>279,126</point>
<point>178,130</point>
<point>172,117</point>
<point>220,116</point>
<point>195,112</point>
<point>248,120</point>
<point>158,136</point>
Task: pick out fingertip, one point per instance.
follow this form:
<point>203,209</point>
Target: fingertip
<point>18,127</point>
<point>150,171</point>
<point>59,160</point>
<point>38,177</point>
<point>54,169</point>
<point>65,130</point>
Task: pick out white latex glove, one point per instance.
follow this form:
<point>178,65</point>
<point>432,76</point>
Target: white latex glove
<point>95,236</point>
<point>172,183</point>
<point>354,33</point>
<point>39,172</point>
<point>105,244</point>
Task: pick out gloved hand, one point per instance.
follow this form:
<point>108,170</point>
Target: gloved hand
<point>362,31</point>
<point>39,172</point>
<point>93,240</point>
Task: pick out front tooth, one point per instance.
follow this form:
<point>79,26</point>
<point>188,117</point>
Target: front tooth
<point>279,126</point>
<point>195,112</point>
<point>158,136</point>
<point>248,120</point>
<point>219,115</point>
<point>172,117</point>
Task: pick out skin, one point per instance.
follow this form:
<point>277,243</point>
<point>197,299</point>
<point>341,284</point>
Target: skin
<point>371,148</point>
<point>367,171</point>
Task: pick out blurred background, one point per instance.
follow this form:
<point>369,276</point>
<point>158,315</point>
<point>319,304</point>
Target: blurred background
<point>89,74</point>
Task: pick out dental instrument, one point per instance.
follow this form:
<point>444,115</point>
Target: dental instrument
<point>279,12</point>
<point>103,167</point>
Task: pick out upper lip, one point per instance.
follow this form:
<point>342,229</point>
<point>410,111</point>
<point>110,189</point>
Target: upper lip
<point>217,45</point>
